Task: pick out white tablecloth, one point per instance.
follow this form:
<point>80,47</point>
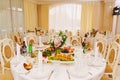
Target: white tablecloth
<point>85,67</point>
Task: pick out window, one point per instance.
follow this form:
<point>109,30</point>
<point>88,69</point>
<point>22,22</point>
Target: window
<point>65,17</point>
<point>11,16</point>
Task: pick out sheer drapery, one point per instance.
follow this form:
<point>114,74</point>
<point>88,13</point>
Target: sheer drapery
<point>65,17</point>
<point>30,15</point>
<point>17,14</point>
<point>11,16</point>
<point>5,17</point>
<point>87,16</point>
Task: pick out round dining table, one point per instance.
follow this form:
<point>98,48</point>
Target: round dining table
<point>86,66</point>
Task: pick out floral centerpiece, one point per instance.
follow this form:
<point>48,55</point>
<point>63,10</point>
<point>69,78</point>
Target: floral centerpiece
<point>57,51</point>
<point>55,45</point>
<point>86,46</point>
<point>58,41</point>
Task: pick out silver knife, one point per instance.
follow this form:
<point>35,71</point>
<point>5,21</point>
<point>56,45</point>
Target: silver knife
<point>68,74</point>
<point>50,74</point>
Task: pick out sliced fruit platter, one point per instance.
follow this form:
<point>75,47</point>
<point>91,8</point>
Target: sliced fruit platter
<point>61,57</point>
<point>66,54</point>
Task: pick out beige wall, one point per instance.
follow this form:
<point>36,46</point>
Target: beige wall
<point>30,15</point>
<point>43,16</point>
<point>92,16</point>
<point>98,10</point>
<point>97,15</point>
<point>108,17</point>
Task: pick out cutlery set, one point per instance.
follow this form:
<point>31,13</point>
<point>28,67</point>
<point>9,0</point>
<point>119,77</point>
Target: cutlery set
<point>53,72</point>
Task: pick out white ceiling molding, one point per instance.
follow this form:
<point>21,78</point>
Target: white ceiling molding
<point>61,1</point>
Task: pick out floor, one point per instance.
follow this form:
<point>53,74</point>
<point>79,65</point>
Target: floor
<point>118,73</point>
<point>8,74</point>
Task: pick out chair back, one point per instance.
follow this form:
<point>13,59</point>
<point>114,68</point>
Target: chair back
<point>17,38</point>
<point>31,39</point>
<point>102,47</point>
<point>6,53</point>
<point>112,54</point>
<point>7,49</point>
<point>117,38</point>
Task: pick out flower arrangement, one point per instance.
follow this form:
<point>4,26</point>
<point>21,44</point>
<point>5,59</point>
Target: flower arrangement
<point>93,32</point>
<point>57,51</point>
<point>58,41</point>
<point>86,46</point>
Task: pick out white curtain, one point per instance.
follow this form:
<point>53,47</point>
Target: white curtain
<point>65,17</point>
<point>11,16</point>
<point>17,14</point>
<point>5,18</point>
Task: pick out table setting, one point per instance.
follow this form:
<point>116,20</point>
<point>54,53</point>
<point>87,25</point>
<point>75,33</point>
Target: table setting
<point>84,67</point>
<point>58,61</point>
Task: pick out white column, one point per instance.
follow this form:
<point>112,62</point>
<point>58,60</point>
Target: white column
<point>118,25</point>
<point>114,24</point>
<point>116,20</point>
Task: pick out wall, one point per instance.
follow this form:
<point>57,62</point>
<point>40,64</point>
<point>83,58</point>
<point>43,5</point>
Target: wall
<point>43,16</point>
<point>108,17</point>
<point>11,17</point>
<point>96,15</point>
<point>30,15</point>
<point>92,15</point>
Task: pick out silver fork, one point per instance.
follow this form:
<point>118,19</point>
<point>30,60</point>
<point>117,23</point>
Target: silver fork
<point>50,74</point>
<point>68,74</point>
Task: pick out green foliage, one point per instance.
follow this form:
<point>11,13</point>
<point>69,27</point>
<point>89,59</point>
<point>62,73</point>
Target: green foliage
<point>47,53</point>
<point>64,37</point>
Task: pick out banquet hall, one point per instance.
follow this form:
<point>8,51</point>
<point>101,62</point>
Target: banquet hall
<point>59,39</point>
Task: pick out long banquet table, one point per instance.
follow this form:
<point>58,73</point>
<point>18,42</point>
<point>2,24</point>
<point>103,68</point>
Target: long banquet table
<point>85,67</point>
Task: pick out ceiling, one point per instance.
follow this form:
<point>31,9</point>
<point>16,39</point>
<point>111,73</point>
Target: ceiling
<point>64,1</point>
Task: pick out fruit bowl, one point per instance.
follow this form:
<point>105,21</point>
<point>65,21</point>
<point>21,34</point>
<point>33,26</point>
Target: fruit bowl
<point>67,49</point>
<point>27,66</point>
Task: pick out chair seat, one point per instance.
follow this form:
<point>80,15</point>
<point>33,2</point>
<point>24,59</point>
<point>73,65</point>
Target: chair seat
<point>7,64</point>
<point>7,75</point>
<point>104,77</point>
<point>108,69</point>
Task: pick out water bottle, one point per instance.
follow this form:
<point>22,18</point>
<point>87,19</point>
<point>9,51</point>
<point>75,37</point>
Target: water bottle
<point>30,48</point>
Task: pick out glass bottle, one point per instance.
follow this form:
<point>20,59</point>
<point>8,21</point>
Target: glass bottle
<point>24,48</point>
<point>30,48</point>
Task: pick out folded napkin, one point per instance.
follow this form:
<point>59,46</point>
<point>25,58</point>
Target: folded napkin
<point>18,50</point>
<point>81,72</point>
<point>96,50</point>
<point>39,74</point>
<point>40,57</point>
<point>20,68</point>
<point>97,62</point>
<point>40,41</point>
